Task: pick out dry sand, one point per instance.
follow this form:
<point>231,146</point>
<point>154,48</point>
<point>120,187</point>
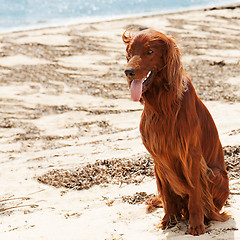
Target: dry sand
<point>65,104</point>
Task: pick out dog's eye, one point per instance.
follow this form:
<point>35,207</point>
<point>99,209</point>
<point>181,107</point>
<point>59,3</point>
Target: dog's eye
<point>129,54</point>
<point>149,52</point>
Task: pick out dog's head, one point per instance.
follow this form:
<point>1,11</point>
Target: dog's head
<point>153,62</point>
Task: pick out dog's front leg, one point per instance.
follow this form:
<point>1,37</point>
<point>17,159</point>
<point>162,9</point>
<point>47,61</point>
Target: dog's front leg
<point>172,207</point>
<point>170,201</point>
<point>195,206</point>
<point>196,216</point>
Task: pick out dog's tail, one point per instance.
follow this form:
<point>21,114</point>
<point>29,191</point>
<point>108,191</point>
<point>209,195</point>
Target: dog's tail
<point>153,203</point>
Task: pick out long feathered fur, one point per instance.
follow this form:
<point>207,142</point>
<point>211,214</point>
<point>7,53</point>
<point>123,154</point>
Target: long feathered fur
<point>180,134</point>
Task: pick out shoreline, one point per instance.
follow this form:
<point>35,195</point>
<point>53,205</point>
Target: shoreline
<point>97,19</point>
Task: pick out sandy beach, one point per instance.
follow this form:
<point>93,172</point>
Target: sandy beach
<point>72,162</point>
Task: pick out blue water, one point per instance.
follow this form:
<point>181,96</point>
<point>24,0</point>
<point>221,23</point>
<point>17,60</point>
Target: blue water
<point>26,14</point>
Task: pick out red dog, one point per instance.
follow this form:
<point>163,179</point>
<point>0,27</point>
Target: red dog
<point>178,131</point>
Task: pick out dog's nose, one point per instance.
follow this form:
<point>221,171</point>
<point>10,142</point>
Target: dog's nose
<point>130,72</point>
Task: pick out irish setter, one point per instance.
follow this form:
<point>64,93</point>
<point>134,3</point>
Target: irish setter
<point>178,131</point>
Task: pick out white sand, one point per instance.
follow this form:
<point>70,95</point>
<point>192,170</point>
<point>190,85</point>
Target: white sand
<point>32,99</point>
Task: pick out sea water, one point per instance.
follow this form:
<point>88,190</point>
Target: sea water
<point>27,14</point>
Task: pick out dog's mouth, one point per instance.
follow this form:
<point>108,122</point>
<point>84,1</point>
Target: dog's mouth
<point>138,87</point>
<point>147,80</point>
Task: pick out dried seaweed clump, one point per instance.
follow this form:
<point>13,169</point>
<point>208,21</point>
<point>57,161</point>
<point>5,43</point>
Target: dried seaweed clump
<point>116,171</point>
<point>138,197</point>
<point>232,160</point>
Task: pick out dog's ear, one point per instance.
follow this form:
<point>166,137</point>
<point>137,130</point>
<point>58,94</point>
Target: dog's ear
<point>127,38</point>
<point>173,66</point>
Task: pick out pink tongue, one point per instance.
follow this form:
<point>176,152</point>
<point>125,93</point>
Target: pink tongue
<point>136,90</point>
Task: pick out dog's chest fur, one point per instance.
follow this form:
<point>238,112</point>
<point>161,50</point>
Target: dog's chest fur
<point>156,137</point>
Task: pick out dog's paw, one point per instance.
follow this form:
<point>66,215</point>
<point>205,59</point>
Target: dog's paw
<point>196,230</point>
<point>168,222</point>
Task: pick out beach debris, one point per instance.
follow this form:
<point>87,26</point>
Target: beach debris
<point>114,171</point>
<point>8,204</point>
<point>122,171</point>
<point>138,197</point>
<point>231,7</point>
<point>135,27</point>
<point>6,123</point>
<point>209,81</point>
<point>220,63</point>
<point>232,161</point>
<point>234,132</point>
